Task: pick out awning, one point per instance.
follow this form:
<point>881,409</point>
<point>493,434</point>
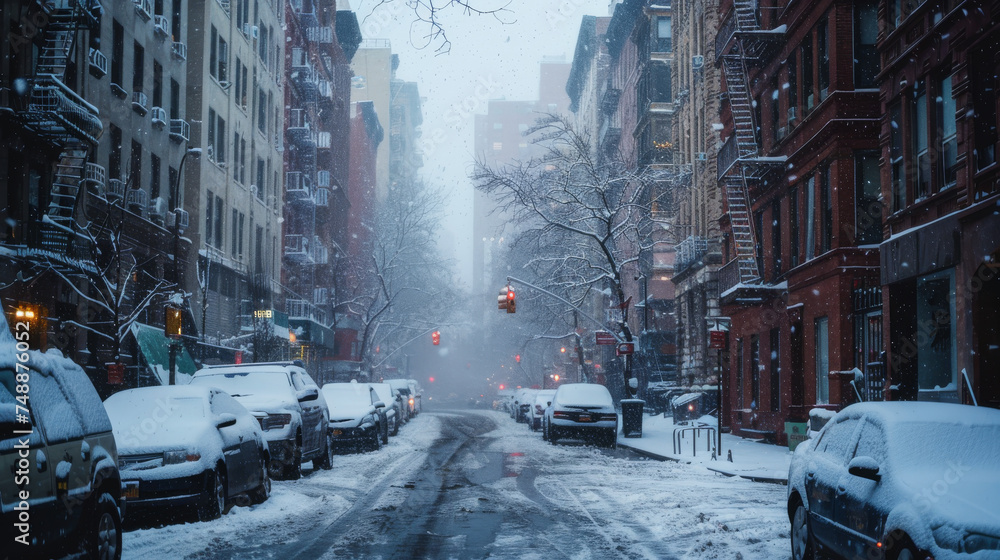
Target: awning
<point>154,347</point>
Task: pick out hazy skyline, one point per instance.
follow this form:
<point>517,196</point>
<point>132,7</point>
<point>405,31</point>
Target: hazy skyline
<point>489,59</point>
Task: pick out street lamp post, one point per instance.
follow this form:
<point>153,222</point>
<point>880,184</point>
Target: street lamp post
<point>194,152</point>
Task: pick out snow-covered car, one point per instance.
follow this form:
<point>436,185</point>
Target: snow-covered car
<point>390,413</point>
<point>405,395</point>
<point>187,446</point>
<point>537,409</point>
<point>418,396</point>
<point>897,481</point>
<point>60,490</point>
<point>582,411</point>
<point>354,418</point>
<point>288,405</point>
<point>522,404</point>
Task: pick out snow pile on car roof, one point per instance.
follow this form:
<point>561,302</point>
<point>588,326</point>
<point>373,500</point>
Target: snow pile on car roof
<point>584,394</point>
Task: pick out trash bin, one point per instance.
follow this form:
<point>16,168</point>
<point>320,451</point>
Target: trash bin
<point>632,417</point>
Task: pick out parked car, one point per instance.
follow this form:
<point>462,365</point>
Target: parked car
<point>390,413</point>
<point>404,393</point>
<point>288,406</point>
<point>582,411</point>
<point>522,404</point>
<point>418,396</point>
<point>355,423</point>
<point>187,446</point>
<point>542,401</point>
<point>67,465</point>
<point>897,481</point>
<point>408,389</point>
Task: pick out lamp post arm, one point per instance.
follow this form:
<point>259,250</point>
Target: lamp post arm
<point>618,337</point>
<point>401,346</point>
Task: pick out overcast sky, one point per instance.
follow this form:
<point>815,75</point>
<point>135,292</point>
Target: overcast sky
<point>490,58</point>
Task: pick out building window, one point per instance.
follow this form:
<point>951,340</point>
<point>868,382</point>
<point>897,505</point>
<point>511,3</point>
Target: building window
<point>775,370</point>
<point>210,142</point>
<point>822,340</point>
<point>218,60</point>
<point>811,217</point>
<point>172,201</point>
<point>897,166</point>
<point>135,166</point>
<point>138,64</point>
<point>234,226</point>
<point>739,373</point>
<point>239,247</point>
<point>866,60</point>
<point>793,91</point>
<point>176,21</point>
<point>755,366</point>
<point>758,225</point>
<point>983,76</point>
<point>115,153</point>
<point>154,171</point>
<point>238,77</point>
<point>947,126</point>
<point>936,337</point>
<point>236,157</point>
<point>807,72</point>
<point>209,218</point>
<point>219,215</point>
<point>663,34</point>
<point>920,140</point>
<point>826,209</point>
<point>823,62</point>
<point>117,53</point>
<point>867,208</point>
<point>157,85</point>
<point>793,227</point>
<point>777,133</point>
<point>776,239</point>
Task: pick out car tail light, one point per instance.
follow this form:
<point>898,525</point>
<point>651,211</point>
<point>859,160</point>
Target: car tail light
<point>411,402</point>
<point>560,414</point>
<point>273,421</point>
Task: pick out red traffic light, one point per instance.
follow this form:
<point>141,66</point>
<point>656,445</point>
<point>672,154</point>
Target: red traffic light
<point>517,358</point>
<point>510,295</point>
<point>431,379</point>
<point>436,337</point>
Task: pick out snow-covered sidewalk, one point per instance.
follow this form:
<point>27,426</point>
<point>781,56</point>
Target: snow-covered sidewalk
<point>753,460</point>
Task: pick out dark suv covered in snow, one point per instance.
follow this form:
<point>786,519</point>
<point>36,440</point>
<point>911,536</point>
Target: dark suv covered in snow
<point>60,491</point>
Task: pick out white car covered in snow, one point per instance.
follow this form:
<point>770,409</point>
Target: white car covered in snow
<point>391,412</point>
<point>582,411</point>
<point>542,401</point>
<point>355,423</point>
<point>898,481</point>
<point>288,405</point>
<point>187,446</point>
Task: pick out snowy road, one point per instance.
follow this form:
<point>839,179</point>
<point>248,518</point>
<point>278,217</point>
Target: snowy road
<point>473,484</point>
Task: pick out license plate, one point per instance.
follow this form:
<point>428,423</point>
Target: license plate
<point>584,418</point>
<point>131,490</point>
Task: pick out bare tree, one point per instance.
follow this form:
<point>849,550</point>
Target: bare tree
<point>584,218</point>
<point>397,285</point>
<point>427,23</point>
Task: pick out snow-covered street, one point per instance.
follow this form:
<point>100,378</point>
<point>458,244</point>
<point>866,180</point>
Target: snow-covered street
<point>474,484</point>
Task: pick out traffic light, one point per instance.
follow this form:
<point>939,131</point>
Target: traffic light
<point>511,303</point>
<point>517,358</point>
<point>502,298</point>
<point>436,337</point>
<point>173,322</point>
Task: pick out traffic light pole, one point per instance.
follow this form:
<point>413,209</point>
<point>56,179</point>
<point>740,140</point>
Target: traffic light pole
<point>403,345</point>
<point>618,337</point>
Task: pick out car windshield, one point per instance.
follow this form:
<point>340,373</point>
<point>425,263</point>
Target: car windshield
<point>246,384</point>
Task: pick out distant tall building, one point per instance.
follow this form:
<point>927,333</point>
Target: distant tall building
<point>373,66</point>
<point>234,190</point>
<point>499,140</point>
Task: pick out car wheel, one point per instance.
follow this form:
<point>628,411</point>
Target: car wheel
<point>261,493</point>
<point>293,470</point>
<point>545,431</point>
<point>395,426</point>
<point>105,540</point>
<point>213,503</point>
<point>326,460</point>
<point>553,435</point>
<point>802,547</point>
<point>385,433</point>
<point>611,439</point>
<point>375,444</point>
<point>907,551</point>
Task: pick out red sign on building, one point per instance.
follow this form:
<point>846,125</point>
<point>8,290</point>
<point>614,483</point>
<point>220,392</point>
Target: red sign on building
<point>604,338</point>
<point>625,348</point>
<point>717,339</point>
<point>116,374</point>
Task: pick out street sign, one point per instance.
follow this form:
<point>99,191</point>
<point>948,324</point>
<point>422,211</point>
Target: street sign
<point>624,349</point>
<point>717,339</point>
<point>604,338</point>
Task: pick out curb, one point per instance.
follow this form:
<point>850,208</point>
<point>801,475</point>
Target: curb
<point>658,457</point>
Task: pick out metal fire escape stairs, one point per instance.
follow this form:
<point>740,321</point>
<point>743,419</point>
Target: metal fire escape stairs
<point>744,129</point>
<point>57,113</point>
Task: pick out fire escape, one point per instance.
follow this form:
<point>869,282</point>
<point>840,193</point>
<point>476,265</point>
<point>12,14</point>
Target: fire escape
<point>58,114</point>
<point>740,43</point>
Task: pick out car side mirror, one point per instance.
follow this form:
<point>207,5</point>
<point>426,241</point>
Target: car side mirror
<point>864,467</point>
<point>379,404</point>
<point>309,394</point>
<point>225,420</point>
